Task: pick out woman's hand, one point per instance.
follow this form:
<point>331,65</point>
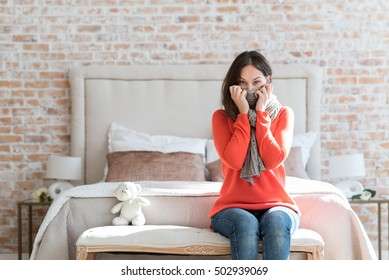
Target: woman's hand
<point>263,95</point>
<point>239,97</point>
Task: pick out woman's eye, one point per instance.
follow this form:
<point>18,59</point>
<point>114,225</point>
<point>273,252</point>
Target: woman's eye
<point>242,83</point>
<point>257,83</point>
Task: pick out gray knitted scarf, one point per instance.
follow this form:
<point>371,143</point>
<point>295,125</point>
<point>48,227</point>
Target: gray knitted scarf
<point>253,164</point>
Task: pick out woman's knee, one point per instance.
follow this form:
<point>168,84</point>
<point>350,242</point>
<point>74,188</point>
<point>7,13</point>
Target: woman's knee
<point>280,219</point>
<point>233,220</point>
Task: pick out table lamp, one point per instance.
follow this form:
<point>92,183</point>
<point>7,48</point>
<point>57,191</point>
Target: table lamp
<point>62,168</point>
<point>348,166</point>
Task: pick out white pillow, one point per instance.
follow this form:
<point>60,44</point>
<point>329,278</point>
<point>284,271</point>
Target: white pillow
<point>211,154</point>
<point>121,138</point>
<point>305,141</point>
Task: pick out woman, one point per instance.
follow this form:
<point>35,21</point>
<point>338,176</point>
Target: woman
<point>253,135</point>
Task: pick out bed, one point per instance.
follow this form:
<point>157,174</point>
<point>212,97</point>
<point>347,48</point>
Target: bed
<point>156,107</point>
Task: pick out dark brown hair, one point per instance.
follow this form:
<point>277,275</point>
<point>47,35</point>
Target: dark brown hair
<point>233,75</point>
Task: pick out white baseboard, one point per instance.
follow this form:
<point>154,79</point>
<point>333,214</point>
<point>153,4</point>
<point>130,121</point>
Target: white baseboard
<point>13,256</point>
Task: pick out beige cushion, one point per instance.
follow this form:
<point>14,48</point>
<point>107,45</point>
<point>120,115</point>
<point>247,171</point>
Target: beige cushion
<point>155,166</point>
<point>170,236</point>
<point>215,171</point>
<point>164,236</point>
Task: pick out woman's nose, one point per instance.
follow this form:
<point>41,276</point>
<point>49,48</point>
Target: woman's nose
<point>250,86</point>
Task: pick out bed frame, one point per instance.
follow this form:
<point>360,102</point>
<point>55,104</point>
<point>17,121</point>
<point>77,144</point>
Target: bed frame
<point>183,99</point>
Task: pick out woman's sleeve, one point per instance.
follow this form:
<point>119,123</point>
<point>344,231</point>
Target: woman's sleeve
<point>274,147</point>
<point>231,140</point>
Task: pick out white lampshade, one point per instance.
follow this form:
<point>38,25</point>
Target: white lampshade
<point>347,166</point>
<point>64,168</point>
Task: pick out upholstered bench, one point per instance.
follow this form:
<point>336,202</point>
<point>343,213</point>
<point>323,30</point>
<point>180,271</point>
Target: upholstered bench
<point>177,240</point>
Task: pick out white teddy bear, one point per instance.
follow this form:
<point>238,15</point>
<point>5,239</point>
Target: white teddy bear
<point>130,206</point>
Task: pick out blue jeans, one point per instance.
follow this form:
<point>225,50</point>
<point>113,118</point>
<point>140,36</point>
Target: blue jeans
<point>245,228</point>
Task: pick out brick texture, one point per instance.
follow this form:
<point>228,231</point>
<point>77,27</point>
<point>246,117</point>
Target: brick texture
<point>41,40</point>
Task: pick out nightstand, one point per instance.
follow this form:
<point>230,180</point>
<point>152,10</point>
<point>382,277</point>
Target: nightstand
<point>30,203</point>
<point>378,201</point>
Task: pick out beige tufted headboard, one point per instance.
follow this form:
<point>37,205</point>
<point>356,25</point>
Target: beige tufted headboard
<point>173,100</point>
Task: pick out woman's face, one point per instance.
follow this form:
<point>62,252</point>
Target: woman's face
<point>251,77</point>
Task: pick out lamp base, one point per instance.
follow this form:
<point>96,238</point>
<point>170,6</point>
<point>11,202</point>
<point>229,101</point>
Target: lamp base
<point>350,188</point>
<point>57,188</point>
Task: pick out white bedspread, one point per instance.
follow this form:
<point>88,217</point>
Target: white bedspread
<point>324,209</point>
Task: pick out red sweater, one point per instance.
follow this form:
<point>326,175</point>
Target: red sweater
<point>274,140</point>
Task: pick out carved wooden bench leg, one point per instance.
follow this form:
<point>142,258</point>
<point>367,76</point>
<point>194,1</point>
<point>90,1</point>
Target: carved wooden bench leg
<point>83,254</point>
<point>318,253</point>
